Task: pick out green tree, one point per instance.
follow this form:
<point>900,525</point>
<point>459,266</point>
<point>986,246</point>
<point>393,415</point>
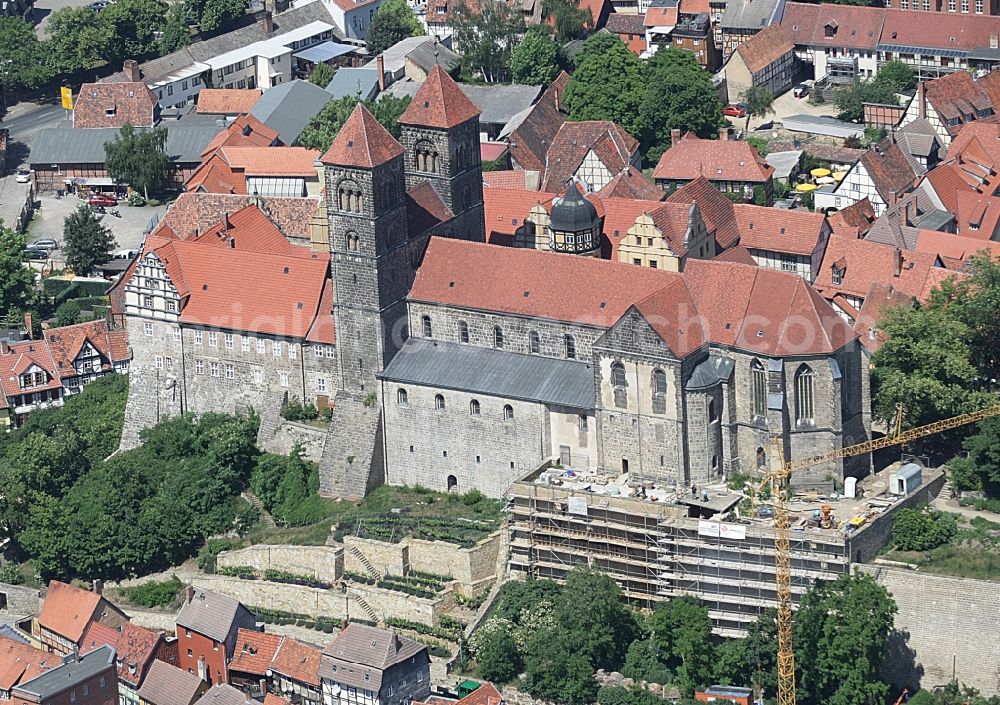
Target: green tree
<point>139,158</point>
<point>16,280</point>
<point>752,661</point>
<point>840,634</point>
<point>922,529</point>
<point>979,467</point>
<point>682,630</point>
<point>517,596</point>
<point>571,21</point>
<point>486,38</point>
<point>87,243</point>
<point>176,32</point>
<point>321,75</point>
<point>894,77</point>
<point>678,94</point>
<point>535,60</point>
<point>608,84</point>
<point>68,313</point>
<point>28,66</point>
<point>322,129</point>
<point>557,669</point>
<point>643,662</point>
<point>759,102</point>
<point>974,301</point>
<point>595,620</point>
<point>219,14</point>
<point>134,26</point>
<point>898,76</point>
<point>79,38</point>
<point>393,22</point>
<point>498,658</point>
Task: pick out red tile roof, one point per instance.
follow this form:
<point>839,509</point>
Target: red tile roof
<point>136,650</point>
<point>21,662</point>
<point>362,142</point>
<point>948,181</point>
<point>780,230</point>
<point>854,220</point>
<point>254,651</point>
<point>957,95</point>
<point>632,183</point>
<point>610,143</point>
<point>486,694</point>
<point>532,138</point>
<point>892,173</point>
<point>298,661</point>
<point>227,101</point>
<point>506,210</point>
<point>21,357</point>
<point>864,263</point>
<point>977,216</point>
<point>660,17</point>
<point>425,209</point>
<point>98,635</point>
<point>990,83</point>
<point>194,213</point>
<point>716,160</point>
<point>324,328</point>
<point>766,47</point>
<point>245,131</point>
<point>953,246</point>
<point>941,30</point>
<point>114,104</point>
<point>755,309</point>
<point>716,210</point>
<point>66,342</point>
<point>67,610</point>
<point>249,229</point>
<point>439,103</point>
<point>214,175</point>
<point>739,254</point>
<point>879,298</point>
<point>850,26</point>
<point>272,161</point>
<point>625,23</point>
<point>272,699</point>
<point>513,179</point>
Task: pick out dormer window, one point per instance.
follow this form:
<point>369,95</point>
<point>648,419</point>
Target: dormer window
<point>837,274</point>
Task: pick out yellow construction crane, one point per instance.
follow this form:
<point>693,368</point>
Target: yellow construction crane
<point>779,481</point>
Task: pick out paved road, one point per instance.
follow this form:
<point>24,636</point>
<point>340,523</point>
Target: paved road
<point>23,121</point>
<point>43,8</point>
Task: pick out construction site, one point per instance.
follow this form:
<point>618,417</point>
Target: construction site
<point>709,542</point>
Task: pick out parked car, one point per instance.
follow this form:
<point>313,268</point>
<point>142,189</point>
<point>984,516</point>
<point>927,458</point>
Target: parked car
<point>23,175</point>
<point>97,6</point>
<point>734,110</point>
<point>801,91</point>
<point>34,253</point>
<point>47,244</point>
<point>102,199</point>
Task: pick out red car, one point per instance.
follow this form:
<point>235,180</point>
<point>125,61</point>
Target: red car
<point>734,111</point>
<point>100,199</point>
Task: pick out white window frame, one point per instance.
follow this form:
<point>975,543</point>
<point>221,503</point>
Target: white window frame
<point>147,329</point>
<point>199,337</point>
<point>283,379</point>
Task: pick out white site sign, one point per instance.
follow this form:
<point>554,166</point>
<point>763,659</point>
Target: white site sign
<point>725,531</point>
<point>577,505</point>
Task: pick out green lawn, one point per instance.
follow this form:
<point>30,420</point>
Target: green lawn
<point>974,553</point>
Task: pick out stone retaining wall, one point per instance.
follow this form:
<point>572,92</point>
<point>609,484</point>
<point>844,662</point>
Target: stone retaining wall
<point>324,563</point>
<point>289,433</point>
<point>472,568</point>
<point>20,601</point>
<point>945,628</point>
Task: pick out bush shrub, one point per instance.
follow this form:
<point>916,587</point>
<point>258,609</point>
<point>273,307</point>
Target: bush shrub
<point>922,529</point>
<point>154,593</point>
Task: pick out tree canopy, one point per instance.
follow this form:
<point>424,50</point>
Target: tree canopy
<point>486,38</point>
<point>393,22</point>
<point>894,77</point>
<point>322,129</point>
<point>609,84</point>
<point>78,39</point>
<point>570,20</point>
<point>176,32</point>
<point>321,75</point>
<point>211,16</point>
<point>87,243</point>
<point>16,280</point>
<point>139,158</point>
<point>535,59</point>
<point>759,102</point>
<point>29,65</point>
<point>922,529</point>
<point>133,26</point>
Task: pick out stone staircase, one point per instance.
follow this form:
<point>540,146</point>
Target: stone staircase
<point>363,560</point>
<point>255,502</point>
<point>367,609</point>
<point>946,490</point>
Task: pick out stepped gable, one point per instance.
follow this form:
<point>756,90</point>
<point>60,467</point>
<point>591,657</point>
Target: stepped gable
<point>362,142</point>
<point>439,103</point>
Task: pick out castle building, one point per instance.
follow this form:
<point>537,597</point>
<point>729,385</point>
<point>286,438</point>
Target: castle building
<point>460,365</point>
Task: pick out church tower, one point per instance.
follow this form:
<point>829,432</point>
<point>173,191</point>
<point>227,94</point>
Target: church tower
<point>370,264</point>
<point>441,140</point>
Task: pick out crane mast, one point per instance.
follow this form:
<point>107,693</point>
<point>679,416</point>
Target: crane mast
<point>780,479</point>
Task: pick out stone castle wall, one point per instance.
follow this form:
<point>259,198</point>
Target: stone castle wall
<point>469,567</point>
<point>325,563</point>
<point>945,628</point>
<point>19,600</point>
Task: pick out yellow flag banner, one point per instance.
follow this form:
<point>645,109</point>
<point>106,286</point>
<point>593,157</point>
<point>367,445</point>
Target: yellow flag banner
<point>67,97</point>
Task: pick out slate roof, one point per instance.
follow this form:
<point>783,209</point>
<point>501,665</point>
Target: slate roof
<point>439,103</point>
<point>362,142</point>
<point>611,144</point>
<point>348,81</point>
<point>737,305</point>
<point>288,107</point>
<point>64,145</point>
<point>918,138</point>
<point>766,47</point>
<point>716,160</point>
<point>530,141</point>
<point>227,101</point>
<point>222,694</point>
<point>499,103</point>
<point>67,610</point>
<point>65,676</point>
<point>625,23</point>
<point>427,55</point>
<point>780,230</point>
<point>359,649</point>
<point>131,103</point>
<point>166,684</point>
<point>744,14</point>
<point>207,612</point>
<point>716,210</point>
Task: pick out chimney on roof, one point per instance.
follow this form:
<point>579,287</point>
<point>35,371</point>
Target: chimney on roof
<point>189,593</point>
<point>675,136</point>
<point>344,624</point>
<point>397,643</point>
<point>921,100</point>
<point>897,262</point>
<point>98,586</point>
<point>130,68</point>
<point>380,66</point>
<point>4,347</point>
<point>28,325</point>
<point>262,684</point>
<point>267,22</point>
<point>225,221</point>
<point>905,219</point>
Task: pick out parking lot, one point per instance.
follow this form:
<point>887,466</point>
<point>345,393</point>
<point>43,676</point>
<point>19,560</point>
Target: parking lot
<point>128,230</point>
